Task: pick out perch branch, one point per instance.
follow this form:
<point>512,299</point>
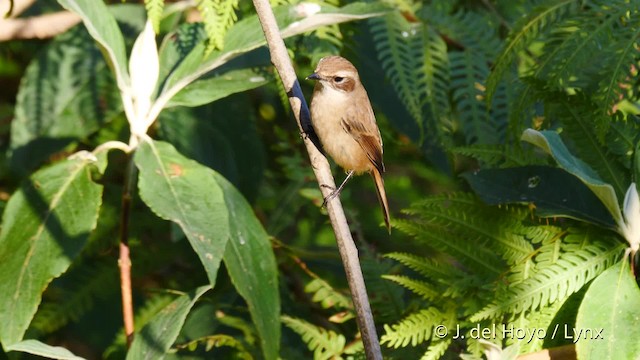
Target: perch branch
<point>37,27</point>
<point>346,246</point>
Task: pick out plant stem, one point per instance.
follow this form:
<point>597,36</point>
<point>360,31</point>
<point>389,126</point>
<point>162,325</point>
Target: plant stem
<point>124,261</point>
<point>346,246</point>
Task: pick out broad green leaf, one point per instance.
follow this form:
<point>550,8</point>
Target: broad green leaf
<point>252,267</point>
<point>247,35</point>
<point>553,191</point>
<point>205,136</point>
<point>44,226</point>
<point>36,347</point>
<point>178,44</point>
<point>551,143</point>
<point>185,192</point>
<point>211,89</point>
<point>103,28</point>
<point>156,338</point>
<point>66,94</point>
<point>607,321</point>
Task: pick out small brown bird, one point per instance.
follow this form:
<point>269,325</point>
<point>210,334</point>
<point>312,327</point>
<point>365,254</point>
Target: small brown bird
<point>343,119</point>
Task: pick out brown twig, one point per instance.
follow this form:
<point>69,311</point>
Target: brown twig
<point>124,261</point>
<point>346,246</point>
<point>37,27</point>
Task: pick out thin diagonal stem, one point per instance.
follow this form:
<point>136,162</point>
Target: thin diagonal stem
<point>346,246</point>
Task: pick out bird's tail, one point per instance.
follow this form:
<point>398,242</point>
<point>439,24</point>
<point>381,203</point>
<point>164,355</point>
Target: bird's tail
<point>382,196</point>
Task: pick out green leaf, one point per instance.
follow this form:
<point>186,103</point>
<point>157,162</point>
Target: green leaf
<point>206,135</point>
<point>252,268</point>
<point>103,28</point>
<point>211,89</point>
<point>553,191</point>
<point>325,344</point>
<point>247,35</point>
<point>44,226</point>
<point>187,193</point>
<point>526,30</point>
<point>214,216</point>
<point>66,94</point>
<point>551,143</point>
<point>36,347</point>
<point>155,339</point>
<point>155,9</point>
<point>612,306</point>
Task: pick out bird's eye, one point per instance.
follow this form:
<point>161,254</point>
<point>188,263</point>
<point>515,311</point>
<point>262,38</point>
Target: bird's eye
<point>338,79</point>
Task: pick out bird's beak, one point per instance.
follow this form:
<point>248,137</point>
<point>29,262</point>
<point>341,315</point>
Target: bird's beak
<point>313,76</point>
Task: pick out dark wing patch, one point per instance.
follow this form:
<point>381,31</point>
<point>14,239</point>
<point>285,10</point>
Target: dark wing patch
<point>366,134</point>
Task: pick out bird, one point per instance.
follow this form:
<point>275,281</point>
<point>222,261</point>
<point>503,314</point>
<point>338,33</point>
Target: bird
<point>344,121</point>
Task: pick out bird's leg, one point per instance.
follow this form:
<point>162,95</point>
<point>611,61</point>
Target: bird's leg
<point>337,191</point>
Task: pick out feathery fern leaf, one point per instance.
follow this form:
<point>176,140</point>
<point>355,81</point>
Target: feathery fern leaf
<point>216,341</point>
<point>625,44</point>
<point>468,72</point>
<point>327,296</point>
<point>153,305</point>
<point>554,283</point>
<point>437,349</point>
<point>154,12</point>
<point>427,267</point>
<point>217,16</point>
<point>582,124</point>
<point>436,80</point>
<point>386,298</point>
<point>471,29</point>
<point>399,44</point>
<point>68,298</point>
<point>422,288</point>
<point>413,329</point>
<point>523,33</point>
<point>462,223</point>
<point>324,343</point>
<point>211,20</point>
<point>500,156</point>
<point>541,319</point>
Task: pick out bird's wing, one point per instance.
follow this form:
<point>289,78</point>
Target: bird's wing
<point>360,123</point>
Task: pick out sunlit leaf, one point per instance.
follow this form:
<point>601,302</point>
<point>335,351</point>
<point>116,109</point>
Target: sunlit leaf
<point>44,226</point>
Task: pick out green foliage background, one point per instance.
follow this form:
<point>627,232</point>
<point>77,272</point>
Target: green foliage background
<point>510,131</point>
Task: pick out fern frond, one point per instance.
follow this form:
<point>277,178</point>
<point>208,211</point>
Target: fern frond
<point>217,16</point>
<point>625,44</point>
<point>468,72</point>
<point>71,297</point>
<point>386,298</point>
<point>324,343</point>
<point>500,156</point>
<point>153,305</point>
<point>399,45</point>
<point>327,296</point>
<point>471,29</point>
<point>471,232</point>
<point>211,20</point>
<point>413,329</point>
<point>523,33</point>
<point>540,319</point>
<point>422,288</point>
<point>427,267</point>
<point>247,329</point>
<point>437,81</point>
<point>437,349</point>
<point>154,12</point>
<point>217,341</point>
<point>556,282</point>
<point>581,123</point>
